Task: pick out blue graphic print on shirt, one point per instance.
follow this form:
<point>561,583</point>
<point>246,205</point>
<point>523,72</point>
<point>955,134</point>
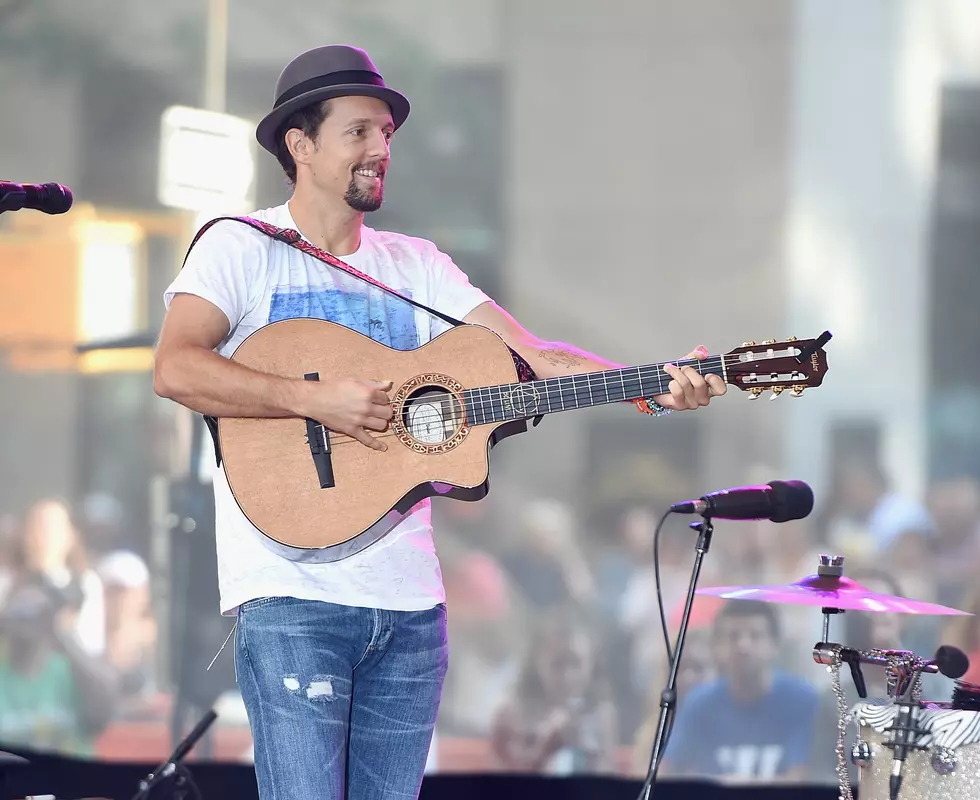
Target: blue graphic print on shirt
<point>714,735</point>
<point>388,321</point>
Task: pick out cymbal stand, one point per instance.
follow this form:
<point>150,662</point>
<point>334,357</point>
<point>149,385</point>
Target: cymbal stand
<point>829,567</point>
<point>833,567</point>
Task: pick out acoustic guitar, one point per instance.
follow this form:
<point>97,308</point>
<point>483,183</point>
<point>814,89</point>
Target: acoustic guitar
<point>318,495</point>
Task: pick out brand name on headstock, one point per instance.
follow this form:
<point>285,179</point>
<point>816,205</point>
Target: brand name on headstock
<point>814,362</point>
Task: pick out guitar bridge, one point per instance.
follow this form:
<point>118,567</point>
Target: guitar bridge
<point>318,438</point>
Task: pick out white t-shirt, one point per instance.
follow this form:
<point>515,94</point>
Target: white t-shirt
<point>256,280</point>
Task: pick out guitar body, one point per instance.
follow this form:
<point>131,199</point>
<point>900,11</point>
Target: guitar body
<point>271,468</point>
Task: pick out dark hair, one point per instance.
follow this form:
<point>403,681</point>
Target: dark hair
<point>308,119</point>
<point>735,609</point>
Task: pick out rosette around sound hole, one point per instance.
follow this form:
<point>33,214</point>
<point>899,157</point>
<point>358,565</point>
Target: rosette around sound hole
<point>432,415</point>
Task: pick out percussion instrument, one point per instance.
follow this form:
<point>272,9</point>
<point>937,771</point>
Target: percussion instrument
<point>944,758</point>
<point>937,747</point>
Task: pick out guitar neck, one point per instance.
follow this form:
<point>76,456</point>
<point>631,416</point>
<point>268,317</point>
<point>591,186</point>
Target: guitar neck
<point>512,401</point>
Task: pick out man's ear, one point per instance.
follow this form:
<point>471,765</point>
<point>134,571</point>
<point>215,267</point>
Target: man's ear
<point>299,145</point>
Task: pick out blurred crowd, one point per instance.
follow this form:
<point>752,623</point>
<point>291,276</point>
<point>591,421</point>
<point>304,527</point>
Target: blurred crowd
<point>558,658</point>
<point>77,633</point>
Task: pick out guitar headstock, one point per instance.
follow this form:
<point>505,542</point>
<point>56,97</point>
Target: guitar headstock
<point>790,365</point>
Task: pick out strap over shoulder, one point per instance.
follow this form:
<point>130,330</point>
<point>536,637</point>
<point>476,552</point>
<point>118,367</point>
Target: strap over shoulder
<point>294,238</point>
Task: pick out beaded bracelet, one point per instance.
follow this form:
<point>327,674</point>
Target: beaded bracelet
<point>650,406</point>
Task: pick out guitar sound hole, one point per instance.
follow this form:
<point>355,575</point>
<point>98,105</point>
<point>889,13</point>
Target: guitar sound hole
<point>432,415</point>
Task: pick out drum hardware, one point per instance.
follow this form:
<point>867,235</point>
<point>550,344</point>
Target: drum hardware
<point>943,760</point>
<point>861,753</point>
<point>966,696</point>
<point>906,735</point>
<point>911,732</point>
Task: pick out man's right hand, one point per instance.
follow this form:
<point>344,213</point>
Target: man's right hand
<point>352,407</point>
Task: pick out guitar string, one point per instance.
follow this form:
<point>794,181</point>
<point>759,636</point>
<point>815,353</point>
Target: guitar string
<point>481,402</point>
<point>450,406</point>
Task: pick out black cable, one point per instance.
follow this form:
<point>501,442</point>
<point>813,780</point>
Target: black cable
<point>189,782</point>
<point>663,626</point>
<point>656,577</point>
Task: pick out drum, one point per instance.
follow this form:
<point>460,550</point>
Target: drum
<point>946,768</point>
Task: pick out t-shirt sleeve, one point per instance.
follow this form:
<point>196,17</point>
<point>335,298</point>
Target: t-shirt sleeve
<point>451,290</point>
<point>220,267</point>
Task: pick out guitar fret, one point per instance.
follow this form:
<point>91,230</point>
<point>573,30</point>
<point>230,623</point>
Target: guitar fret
<point>549,384</point>
<point>485,407</point>
<point>472,408</point>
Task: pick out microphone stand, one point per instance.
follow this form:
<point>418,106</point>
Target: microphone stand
<point>173,767</point>
<point>668,697</point>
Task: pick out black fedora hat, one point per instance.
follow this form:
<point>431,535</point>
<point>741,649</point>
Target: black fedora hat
<point>334,70</point>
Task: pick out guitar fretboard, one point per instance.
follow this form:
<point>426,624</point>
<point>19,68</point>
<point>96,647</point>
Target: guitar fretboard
<point>492,404</point>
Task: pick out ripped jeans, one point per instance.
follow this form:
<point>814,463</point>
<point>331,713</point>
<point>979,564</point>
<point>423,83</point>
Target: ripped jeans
<point>342,701</point>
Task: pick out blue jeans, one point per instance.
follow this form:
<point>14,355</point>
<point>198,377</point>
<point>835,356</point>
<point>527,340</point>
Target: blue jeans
<point>342,701</point>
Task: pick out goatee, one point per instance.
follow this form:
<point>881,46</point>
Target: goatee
<point>361,200</point>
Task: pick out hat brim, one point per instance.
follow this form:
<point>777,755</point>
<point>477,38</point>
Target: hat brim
<point>266,131</point>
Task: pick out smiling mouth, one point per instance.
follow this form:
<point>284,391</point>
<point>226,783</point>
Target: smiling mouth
<point>369,173</point>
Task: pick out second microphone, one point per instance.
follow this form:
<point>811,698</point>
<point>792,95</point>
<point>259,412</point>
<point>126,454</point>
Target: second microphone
<point>778,501</point>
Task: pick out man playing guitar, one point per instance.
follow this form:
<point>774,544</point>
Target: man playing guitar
<point>340,664</point>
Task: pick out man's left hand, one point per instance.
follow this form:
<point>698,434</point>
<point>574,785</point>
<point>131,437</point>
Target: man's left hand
<point>688,389</point>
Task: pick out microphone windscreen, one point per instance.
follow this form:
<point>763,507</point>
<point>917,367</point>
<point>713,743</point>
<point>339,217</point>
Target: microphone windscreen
<point>55,198</point>
<point>951,661</point>
<point>790,500</point>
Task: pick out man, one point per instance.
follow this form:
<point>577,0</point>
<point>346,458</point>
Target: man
<point>753,723</point>
<point>340,664</point>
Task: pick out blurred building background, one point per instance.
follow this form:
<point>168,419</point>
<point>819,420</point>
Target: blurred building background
<point>636,177</point>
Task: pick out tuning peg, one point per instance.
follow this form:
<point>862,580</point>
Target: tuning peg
<point>776,391</point>
<point>792,339</point>
<point>797,391</point>
<point>769,341</point>
<point>754,392</point>
<point>748,344</point>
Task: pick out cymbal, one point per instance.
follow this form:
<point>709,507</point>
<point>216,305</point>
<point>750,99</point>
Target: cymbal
<point>830,591</point>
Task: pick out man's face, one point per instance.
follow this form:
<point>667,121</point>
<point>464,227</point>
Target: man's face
<point>745,648</point>
<point>350,156</point>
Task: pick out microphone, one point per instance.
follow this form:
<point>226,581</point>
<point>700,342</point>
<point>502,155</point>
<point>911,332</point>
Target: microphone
<point>904,725</point>
<point>778,501</point>
<point>949,661</point>
<point>51,198</point>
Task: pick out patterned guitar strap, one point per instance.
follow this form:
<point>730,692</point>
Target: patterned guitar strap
<point>293,238</point>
